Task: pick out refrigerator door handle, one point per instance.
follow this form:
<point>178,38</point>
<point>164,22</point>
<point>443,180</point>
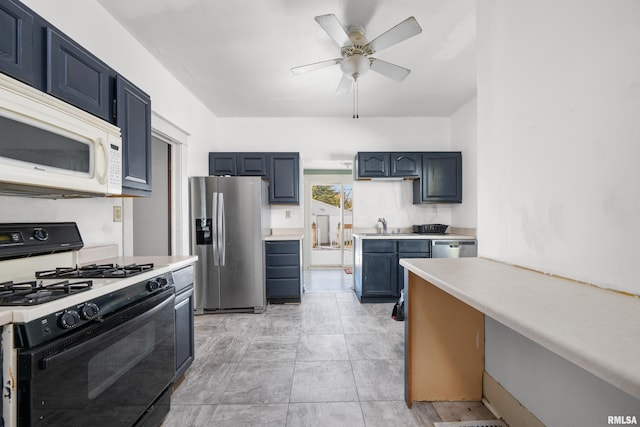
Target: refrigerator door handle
<point>214,227</point>
<point>221,231</point>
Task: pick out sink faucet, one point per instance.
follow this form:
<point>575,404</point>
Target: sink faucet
<point>384,224</point>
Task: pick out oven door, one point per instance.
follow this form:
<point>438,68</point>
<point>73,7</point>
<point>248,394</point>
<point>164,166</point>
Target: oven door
<point>107,374</point>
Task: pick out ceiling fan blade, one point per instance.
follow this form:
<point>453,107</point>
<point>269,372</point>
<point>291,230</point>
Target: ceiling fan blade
<point>404,30</point>
<point>344,87</point>
<point>315,66</point>
<point>334,28</point>
<point>390,70</point>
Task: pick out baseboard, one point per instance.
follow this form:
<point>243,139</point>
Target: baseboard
<point>507,406</point>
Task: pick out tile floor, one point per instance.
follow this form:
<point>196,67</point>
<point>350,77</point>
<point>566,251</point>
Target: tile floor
<point>323,280</point>
<point>329,361</point>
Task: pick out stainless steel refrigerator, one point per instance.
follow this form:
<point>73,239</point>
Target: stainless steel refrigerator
<point>229,218</point>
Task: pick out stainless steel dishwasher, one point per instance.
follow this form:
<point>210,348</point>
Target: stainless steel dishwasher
<point>453,248</point>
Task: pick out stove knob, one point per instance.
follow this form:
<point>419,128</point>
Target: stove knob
<point>40,234</point>
<point>69,319</point>
<point>153,285</point>
<point>89,311</point>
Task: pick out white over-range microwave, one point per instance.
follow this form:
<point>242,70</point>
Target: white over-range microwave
<point>49,148</point>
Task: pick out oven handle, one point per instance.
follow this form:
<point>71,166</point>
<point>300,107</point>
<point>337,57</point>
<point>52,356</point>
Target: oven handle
<point>137,312</point>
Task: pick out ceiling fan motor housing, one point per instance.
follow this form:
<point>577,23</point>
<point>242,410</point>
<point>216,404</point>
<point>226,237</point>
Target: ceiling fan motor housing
<point>355,60</point>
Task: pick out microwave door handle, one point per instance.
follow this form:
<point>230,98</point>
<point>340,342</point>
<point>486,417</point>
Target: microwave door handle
<point>214,227</point>
<point>221,230</point>
<point>102,162</point>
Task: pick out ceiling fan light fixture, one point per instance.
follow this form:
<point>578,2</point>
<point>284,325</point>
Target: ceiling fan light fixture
<point>355,64</point>
<point>356,51</point>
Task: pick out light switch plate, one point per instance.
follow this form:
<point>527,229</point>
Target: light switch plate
<point>117,214</point>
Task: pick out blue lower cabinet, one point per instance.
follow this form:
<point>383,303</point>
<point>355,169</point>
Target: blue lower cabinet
<point>283,271</point>
<point>378,276</point>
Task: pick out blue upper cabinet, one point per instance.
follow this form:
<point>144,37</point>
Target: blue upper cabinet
<point>76,76</point>
<point>372,165</point>
<point>252,164</point>
<point>133,117</point>
<point>441,180</point>
<point>405,165</point>
<point>281,169</point>
<point>222,164</point>
<point>16,41</point>
<point>238,164</point>
<point>284,178</point>
<point>388,165</point>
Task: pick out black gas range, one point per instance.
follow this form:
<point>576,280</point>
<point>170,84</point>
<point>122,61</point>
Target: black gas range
<point>84,336</point>
<point>43,289</point>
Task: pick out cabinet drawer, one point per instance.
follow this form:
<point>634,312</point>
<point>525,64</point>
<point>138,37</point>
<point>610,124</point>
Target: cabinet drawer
<point>283,273</point>
<point>369,245</point>
<point>414,245</point>
<point>283,288</point>
<point>283,247</point>
<point>283,260</point>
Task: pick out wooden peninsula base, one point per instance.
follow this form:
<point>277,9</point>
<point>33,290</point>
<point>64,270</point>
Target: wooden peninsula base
<point>444,345</point>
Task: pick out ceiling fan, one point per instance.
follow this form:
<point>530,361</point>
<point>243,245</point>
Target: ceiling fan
<point>355,53</point>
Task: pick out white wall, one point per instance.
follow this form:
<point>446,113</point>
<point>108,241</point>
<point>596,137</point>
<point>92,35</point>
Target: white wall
<point>90,25</point>
<point>558,132</point>
<point>464,137</point>
<point>341,139</point>
<point>558,109</point>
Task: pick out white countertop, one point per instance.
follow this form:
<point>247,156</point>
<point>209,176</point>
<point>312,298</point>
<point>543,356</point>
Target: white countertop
<point>594,328</point>
<point>277,237</point>
<point>5,318</point>
<point>162,264</point>
<point>413,236</point>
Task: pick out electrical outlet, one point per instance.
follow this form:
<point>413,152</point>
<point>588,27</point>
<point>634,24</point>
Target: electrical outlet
<point>117,214</point>
<point>287,214</point>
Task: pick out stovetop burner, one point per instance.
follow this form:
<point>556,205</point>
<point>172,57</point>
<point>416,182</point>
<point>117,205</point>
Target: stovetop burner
<point>34,292</point>
<point>96,271</point>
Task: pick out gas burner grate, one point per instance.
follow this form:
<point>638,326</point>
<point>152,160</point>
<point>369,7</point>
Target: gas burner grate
<point>96,271</point>
<point>34,292</point>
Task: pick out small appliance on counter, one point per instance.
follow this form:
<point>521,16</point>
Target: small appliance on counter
<point>430,228</point>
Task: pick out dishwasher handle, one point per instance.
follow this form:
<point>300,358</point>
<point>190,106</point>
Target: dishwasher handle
<point>453,248</point>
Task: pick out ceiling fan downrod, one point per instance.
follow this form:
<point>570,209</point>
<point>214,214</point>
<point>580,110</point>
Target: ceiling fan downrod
<point>355,96</point>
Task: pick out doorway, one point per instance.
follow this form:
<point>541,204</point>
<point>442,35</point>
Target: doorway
<point>329,220</point>
<point>152,215</point>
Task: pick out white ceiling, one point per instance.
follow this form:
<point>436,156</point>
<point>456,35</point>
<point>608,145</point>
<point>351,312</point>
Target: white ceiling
<point>235,55</point>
